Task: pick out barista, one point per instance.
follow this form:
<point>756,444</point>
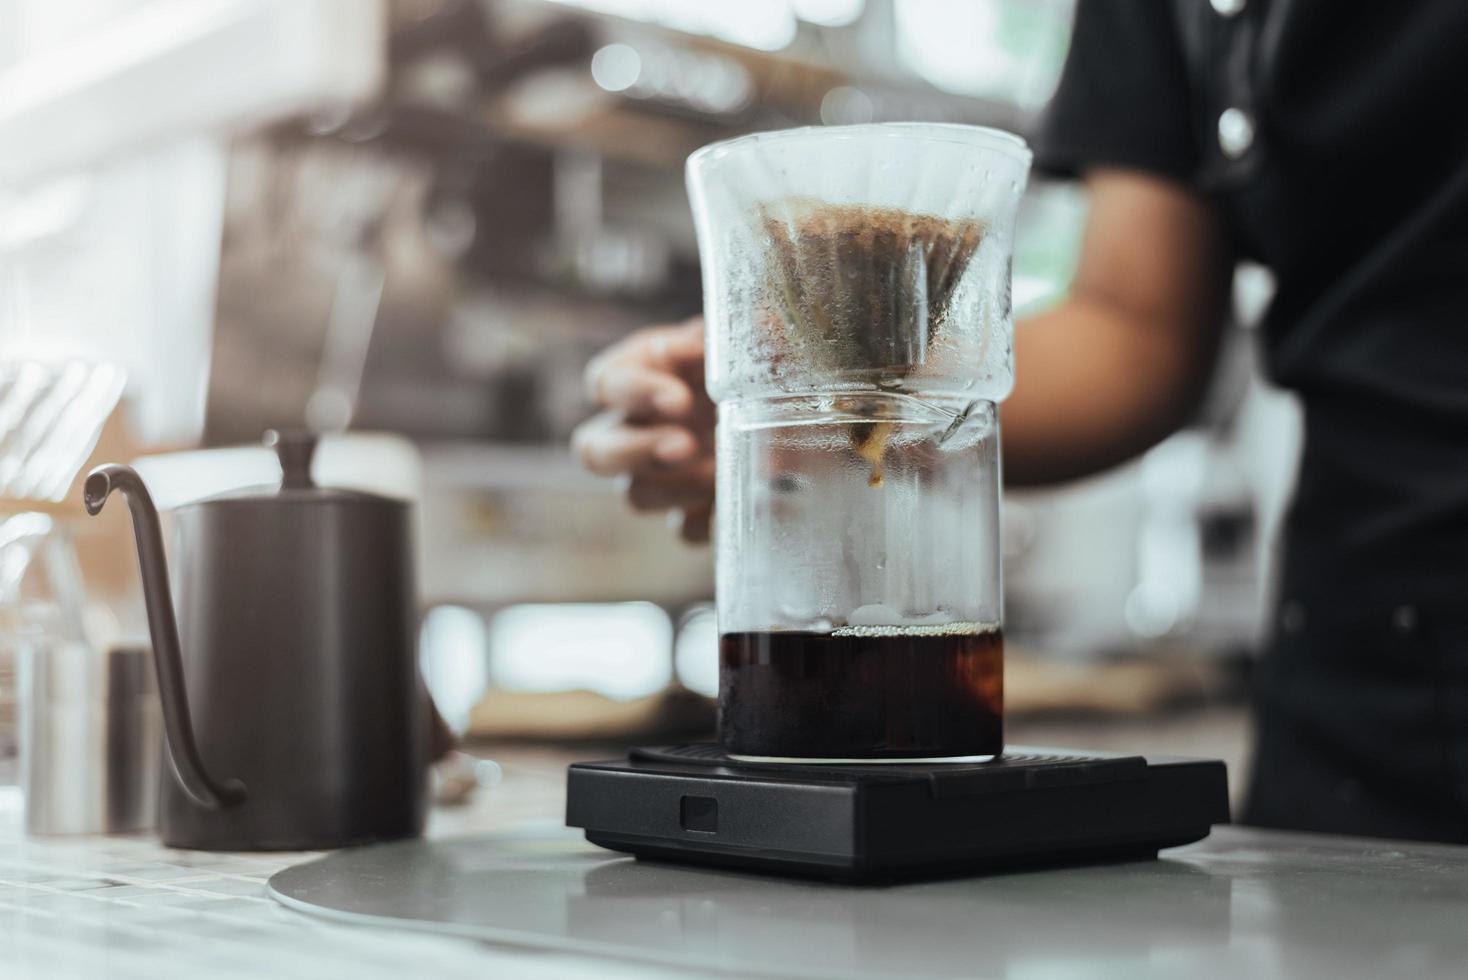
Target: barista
<point>1324,141</point>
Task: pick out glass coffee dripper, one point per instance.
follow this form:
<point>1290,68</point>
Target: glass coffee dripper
<point>859,335</point>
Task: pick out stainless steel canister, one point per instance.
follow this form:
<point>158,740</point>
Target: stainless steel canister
<point>90,739</point>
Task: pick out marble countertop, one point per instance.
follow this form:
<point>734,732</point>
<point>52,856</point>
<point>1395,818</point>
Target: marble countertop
<point>127,907</point>
<point>1243,903</point>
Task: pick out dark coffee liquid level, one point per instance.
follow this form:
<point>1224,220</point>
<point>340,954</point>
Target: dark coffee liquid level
<point>863,693</point>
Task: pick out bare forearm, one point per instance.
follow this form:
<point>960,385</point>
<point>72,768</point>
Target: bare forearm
<point>1124,360</point>
<point>1095,387</point>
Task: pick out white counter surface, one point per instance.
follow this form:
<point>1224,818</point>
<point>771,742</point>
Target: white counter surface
<point>127,907</point>
<point>1244,903</point>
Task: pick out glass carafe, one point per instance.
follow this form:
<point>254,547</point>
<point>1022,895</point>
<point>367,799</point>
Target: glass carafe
<point>857,299</point>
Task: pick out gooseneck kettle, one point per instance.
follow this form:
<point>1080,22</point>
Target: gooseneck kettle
<point>291,702</point>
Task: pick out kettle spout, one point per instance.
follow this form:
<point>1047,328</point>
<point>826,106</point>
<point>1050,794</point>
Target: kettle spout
<point>188,767</point>
<point>99,484</point>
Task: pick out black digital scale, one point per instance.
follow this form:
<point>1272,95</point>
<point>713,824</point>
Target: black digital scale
<point>1028,807</point>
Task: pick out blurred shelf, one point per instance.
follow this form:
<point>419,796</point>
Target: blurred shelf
<point>479,466</point>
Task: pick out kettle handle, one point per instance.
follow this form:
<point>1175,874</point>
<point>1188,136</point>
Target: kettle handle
<point>182,751</point>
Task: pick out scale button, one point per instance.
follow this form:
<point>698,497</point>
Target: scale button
<point>699,814</point>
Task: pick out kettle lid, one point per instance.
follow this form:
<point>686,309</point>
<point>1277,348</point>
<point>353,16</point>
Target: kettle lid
<point>295,449</point>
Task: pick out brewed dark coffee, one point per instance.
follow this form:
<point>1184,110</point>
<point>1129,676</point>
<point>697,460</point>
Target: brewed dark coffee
<point>875,692</point>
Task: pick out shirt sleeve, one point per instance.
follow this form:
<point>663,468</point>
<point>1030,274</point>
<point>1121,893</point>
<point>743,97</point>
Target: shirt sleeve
<point>1123,98</point>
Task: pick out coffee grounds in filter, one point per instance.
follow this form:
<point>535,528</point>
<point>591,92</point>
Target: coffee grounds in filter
<point>864,289</point>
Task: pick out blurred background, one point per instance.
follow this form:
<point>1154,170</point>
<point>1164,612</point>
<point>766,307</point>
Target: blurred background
<point>408,224</point>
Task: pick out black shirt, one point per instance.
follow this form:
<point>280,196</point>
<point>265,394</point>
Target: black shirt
<point>1342,166</point>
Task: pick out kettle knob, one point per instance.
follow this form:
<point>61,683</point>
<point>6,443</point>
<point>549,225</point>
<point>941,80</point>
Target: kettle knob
<point>294,448</point>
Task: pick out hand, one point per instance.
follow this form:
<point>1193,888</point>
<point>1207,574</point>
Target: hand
<point>657,427</point>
